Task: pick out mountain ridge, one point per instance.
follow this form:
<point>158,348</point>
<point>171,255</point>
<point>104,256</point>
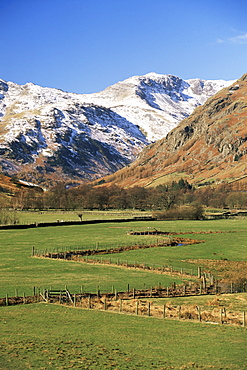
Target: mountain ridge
<point>208,147</point>
<point>50,135</point>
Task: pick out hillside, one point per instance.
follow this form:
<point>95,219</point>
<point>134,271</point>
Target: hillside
<point>208,147</point>
<point>48,135</point>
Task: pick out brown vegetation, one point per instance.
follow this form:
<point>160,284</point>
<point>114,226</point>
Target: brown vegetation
<point>210,142</point>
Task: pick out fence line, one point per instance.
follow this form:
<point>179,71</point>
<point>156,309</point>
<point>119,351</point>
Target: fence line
<point>147,308</point>
<point>12,301</point>
<point>135,301</point>
<point>83,254</point>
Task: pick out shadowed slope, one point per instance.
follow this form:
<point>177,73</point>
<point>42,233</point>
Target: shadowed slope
<point>209,146</point>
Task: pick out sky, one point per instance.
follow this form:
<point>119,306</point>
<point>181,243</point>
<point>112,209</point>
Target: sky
<point>84,46</point>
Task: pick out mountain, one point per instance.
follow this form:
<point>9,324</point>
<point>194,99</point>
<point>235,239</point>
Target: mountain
<point>208,147</point>
<point>48,135</point>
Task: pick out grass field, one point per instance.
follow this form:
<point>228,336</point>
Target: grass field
<point>42,336</point>
<point>52,337</point>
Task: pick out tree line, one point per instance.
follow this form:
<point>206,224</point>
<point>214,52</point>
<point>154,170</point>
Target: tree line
<point>161,198</point>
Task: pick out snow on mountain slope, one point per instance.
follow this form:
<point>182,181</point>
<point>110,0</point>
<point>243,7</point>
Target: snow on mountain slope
<point>155,102</point>
<point>49,133</point>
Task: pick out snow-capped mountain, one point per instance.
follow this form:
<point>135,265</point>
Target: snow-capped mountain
<point>48,133</point>
<point>155,102</point>
<point>207,148</point>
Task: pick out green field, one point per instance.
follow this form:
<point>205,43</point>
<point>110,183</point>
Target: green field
<point>42,336</point>
<point>51,337</point>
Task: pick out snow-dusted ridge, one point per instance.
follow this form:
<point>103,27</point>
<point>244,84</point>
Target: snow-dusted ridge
<point>90,135</point>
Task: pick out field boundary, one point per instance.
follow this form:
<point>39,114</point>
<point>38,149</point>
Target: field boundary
<point>131,305</point>
<point>146,308</point>
<point>69,223</point>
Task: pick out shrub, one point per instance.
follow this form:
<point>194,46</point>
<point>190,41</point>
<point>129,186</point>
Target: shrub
<point>193,212</point>
<point>8,217</point>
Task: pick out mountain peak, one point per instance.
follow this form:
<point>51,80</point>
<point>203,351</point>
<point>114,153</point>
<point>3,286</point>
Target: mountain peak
<point>49,133</point>
<point>208,147</point>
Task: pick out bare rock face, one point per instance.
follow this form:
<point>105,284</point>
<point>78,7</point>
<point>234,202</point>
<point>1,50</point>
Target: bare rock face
<point>48,135</point>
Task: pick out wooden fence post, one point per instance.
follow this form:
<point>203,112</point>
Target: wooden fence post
<point>221,316</point>
<point>74,300</point>
<point>89,301</point>
<point>7,299</point>
<point>105,305</point>
<point>149,311</point>
<point>216,287</point>
<point>137,303</point>
<point>179,312</point>
<point>164,311</point>
<point>244,319</point>
<point>24,298</point>
<point>199,313</point>
<point>211,280</point>
<point>120,305</point>
<point>199,272</point>
<point>134,293</point>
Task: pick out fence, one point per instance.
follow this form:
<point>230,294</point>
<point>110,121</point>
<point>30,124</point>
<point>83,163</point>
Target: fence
<point>130,303</point>
<point>136,302</point>
<point>11,301</point>
<point>83,254</point>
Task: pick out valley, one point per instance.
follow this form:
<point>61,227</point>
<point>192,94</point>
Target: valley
<point>84,337</point>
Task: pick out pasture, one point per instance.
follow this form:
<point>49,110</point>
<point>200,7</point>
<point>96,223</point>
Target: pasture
<point>43,336</point>
<point>53,337</point>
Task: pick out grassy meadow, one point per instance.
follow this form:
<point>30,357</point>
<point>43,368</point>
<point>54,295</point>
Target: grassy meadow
<point>51,337</point>
<point>42,336</point>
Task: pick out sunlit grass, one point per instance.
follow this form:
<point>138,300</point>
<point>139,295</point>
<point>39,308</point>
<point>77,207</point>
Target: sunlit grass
<point>53,337</point>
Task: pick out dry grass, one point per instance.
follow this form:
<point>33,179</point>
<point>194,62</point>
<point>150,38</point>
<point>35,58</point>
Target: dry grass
<point>227,271</point>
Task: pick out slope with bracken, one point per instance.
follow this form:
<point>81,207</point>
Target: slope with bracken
<point>208,147</point>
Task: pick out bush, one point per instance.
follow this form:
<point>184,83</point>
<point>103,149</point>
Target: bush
<point>8,217</point>
<point>194,212</point>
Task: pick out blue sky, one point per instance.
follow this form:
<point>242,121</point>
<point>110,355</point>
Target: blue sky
<point>83,46</point>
